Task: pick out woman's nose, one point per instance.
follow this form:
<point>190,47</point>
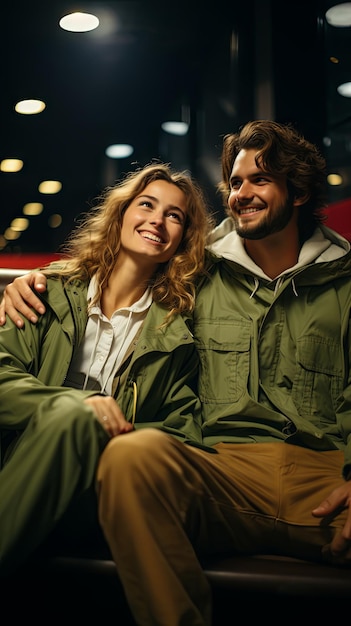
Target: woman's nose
<point>157,217</point>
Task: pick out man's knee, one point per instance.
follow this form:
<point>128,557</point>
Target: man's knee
<point>135,449</point>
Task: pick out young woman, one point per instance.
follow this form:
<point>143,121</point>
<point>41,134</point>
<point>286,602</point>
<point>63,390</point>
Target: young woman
<point>112,352</point>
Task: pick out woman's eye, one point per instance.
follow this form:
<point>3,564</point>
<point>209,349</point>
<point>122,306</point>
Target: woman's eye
<point>175,216</point>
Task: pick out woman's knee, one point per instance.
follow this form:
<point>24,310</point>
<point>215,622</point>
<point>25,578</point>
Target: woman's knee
<point>68,415</point>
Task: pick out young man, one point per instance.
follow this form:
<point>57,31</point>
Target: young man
<point>272,328</point>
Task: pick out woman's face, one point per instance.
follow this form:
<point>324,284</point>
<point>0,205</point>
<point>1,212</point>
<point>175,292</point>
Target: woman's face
<point>153,224</point>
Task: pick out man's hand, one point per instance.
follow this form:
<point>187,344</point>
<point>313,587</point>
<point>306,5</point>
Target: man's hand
<point>109,415</point>
<point>19,296</point>
<point>339,550</point>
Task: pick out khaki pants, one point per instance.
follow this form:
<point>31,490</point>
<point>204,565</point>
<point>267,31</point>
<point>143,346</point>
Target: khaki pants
<point>162,503</point>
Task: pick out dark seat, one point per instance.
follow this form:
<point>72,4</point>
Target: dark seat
<point>85,588</point>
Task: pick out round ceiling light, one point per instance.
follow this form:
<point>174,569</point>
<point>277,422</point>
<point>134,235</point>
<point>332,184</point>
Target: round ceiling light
<point>119,151</point>
<point>344,90</point>
<point>175,128</point>
<point>339,15</point>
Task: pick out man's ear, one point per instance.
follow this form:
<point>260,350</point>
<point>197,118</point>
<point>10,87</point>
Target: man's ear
<point>299,200</point>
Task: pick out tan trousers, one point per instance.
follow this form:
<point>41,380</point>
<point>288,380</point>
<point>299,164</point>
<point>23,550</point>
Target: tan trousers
<point>161,503</point>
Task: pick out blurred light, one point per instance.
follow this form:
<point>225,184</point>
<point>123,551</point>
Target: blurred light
<point>334,60</point>
<point>33,208</point>
<point>11,234</point>
<point>20,224</point>
<point>327,141</point>
<point>344,90</point>
<point>119,151</point>
<point>55,220</point>
<point>110,24</point>
<point>339,15</point>
<point>175,128</point>
<point>30,107</point>
<point>3,242</point>
<point>79,22</point>
<point>50,186</point>
<point>11,165</point>
<point>334,180</point>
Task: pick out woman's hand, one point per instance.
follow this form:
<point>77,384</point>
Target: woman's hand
<point>19,296</point>
<point>109,415</point>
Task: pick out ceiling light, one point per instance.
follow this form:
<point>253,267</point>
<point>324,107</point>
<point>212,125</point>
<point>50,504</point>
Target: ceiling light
<point>344,90</point>
<point>175,128</point>
<point>334,180</point>
<point>79,22</point>
<point>339,15</point>
<point>11,234</point>
<point>30,107</point>
<point>119,151</point>
<point>55,220</point>
<point>50,186</point>
<point>33,208</point>
<point>19,224</point>
<point>11,165</point>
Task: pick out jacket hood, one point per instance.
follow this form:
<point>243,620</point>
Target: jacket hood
<point>325,245</point>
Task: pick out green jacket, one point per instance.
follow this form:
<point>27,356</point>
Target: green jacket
<point>275,354</point>
<point>158,376</point>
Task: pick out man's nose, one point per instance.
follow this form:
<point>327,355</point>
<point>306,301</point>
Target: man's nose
<point>241,194</point>
<point>245,190</point>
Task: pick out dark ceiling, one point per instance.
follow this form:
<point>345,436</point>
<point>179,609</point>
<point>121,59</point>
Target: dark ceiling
<point>119,82</point>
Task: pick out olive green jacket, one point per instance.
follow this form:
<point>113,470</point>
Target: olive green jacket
<point>154,387</point>
<point>275,353</point>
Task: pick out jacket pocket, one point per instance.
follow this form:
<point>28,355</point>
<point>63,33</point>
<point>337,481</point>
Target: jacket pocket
<point>319,377</point>
<point>224,351</point>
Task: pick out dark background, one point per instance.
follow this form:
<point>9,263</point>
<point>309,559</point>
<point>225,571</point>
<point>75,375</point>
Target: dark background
<point>222,64</point>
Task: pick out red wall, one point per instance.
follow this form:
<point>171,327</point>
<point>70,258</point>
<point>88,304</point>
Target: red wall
<point>339,217</point>
<point>26,261</point>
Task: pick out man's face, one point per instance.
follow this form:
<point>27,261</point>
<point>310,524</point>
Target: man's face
<point>258,201</point>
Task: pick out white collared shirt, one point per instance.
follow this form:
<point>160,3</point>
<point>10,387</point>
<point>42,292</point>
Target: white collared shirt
<point>105,343</point>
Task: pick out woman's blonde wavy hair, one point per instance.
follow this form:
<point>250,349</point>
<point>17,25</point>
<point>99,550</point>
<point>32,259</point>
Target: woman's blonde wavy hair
<point>92,247</point>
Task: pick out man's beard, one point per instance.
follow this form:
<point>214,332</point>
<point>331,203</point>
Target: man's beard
<point>270,224</point>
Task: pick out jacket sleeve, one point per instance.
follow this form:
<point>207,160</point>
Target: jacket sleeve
<point>33,363</point>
